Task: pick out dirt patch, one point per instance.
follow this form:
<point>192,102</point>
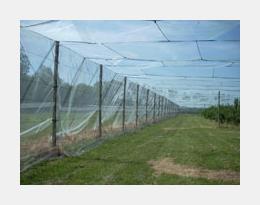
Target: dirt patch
<point>168,166</point>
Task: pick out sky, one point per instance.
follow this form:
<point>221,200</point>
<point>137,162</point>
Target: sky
<point>165,55</point>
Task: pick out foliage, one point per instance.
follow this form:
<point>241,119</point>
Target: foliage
<point>227,113</point>
<point>36,86</point>
<point>24,63</point>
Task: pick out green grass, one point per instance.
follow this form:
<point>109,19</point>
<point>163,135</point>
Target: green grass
<point>189,139</point>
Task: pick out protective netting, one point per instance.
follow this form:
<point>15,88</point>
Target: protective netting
<point>78,99</point>
<point>113,90</point>
<point>144,50</point>
<point>114,76</point>
<point>36,68</point>
<point>90,101</point>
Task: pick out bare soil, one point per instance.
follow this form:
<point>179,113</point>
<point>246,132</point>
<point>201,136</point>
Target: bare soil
<point>168,166</point>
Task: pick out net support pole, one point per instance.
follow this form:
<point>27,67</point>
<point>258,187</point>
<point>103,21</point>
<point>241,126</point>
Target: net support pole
<point>55,94</point>
<point>154,105</point>
<point>146,105</point>
<point>165,106</point>
<point>170,109</point>
<point>173,109</point>
<point>100,101</point>
<point>124,95</point>
<point>218,108</point>
<point>162,107</point>
<point>159,104</point>
<point>136,108</point>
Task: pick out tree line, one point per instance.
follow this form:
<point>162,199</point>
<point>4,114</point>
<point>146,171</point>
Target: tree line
<point>37,87</point>
<point>227,113</point>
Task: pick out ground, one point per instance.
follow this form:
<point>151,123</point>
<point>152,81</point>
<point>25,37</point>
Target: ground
<point>187,149</point>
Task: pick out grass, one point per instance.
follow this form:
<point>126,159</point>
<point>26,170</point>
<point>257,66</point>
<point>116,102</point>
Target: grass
<point>188,139</point>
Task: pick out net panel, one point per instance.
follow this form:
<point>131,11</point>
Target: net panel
<point>93,31</point>
<point>142,95</point>
<point>112,111</point>
<point>130,105</point>
<point>188,68</point>
<point>200,30</point>
<point>36,77</point>
<point>78,100</point>
<point>149,48</point>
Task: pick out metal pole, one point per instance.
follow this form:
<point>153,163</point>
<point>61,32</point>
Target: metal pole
<point>146,105</point>
<point>100,101</point>
<point>55,89</point>
<point>218,108</point>
<point>154,103</point>
<point>136,108</point>
<point>123,118</point>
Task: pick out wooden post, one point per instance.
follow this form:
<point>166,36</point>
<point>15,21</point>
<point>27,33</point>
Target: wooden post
<point>154,104</point>
<point>55,94</point>
<point>162,107</point>
<point>165,108</point>
<point>146,105</point>
<point>136,108</point>
<point>173,109</point>
<point>218,108</point>
<point>123,118</point>
<point>159,104</point>
<point>170,109</point>
<point>100,101</point>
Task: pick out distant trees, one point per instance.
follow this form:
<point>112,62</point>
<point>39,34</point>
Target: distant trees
<point>36,87</point>
<point>24,63</point>
<point>228,113</point>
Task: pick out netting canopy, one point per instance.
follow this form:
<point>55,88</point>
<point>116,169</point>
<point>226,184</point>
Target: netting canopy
<point>83,79</point>
<point>177,58</point>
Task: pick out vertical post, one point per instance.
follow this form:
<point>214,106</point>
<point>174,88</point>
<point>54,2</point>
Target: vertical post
<point>100,101</point>
<point>218,108</point>
<point>154,103</point>
<point>146,105</point>
<point>55,89</point>
<point>167,105</point>
<point>173,109</point>
<point>170,106</point>
<point>123,118</point>
<point>159,104</point>
<point>162,107</point>
<point>165,108</point>
<point>136,108</point>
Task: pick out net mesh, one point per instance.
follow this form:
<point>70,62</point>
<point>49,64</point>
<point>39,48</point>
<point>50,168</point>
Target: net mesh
<point>36,83</point>
<point>168,66</point>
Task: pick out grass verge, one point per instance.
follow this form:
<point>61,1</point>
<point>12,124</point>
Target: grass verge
<point>189,140</point>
